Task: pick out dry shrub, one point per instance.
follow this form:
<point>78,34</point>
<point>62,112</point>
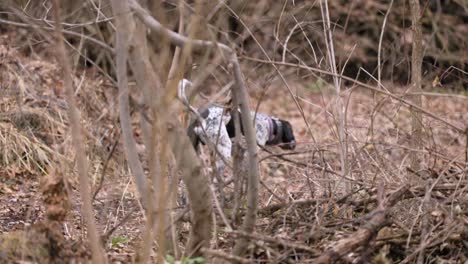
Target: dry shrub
<point>34,124</point>
<point>23,245</point>
<point>27,133</point>
<point>22,150</point>
<point>356,29</point>
<point>378,154</point>
<point>41,243</point>
<point>34,140</point>
<point>291,25</point>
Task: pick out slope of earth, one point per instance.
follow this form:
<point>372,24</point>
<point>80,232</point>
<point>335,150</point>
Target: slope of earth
<point>36,149</point>
<point>36,143</point>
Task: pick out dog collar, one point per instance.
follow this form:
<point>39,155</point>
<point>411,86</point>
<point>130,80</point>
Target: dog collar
<point>275,131</point>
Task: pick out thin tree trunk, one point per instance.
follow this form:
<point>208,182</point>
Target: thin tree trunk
<point>78,143</point>
<point>197,188</point>
<point>187,161</point>
<point>138,59</point>
<point>252,192</point>
<point>416,79</point>
<point>242,96</point>
<point>124,32</point>
<point>339,102</point>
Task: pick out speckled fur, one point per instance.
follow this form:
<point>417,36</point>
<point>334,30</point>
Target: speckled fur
<point>216,119</point>
<point>213,130</point>
<point>262,127</point>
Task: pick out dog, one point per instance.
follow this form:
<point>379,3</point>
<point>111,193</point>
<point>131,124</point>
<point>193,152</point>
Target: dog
<point>215,126</point>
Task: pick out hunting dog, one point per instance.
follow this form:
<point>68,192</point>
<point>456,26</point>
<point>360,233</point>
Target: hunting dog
<point>215,126</point>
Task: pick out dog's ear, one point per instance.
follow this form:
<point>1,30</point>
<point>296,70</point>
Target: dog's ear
<point>194,138</point>
<point>288,141</point>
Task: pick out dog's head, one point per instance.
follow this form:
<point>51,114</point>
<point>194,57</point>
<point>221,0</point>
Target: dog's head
<point>287,136</point>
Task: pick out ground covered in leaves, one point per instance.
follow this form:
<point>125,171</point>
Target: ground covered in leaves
<point>304,207</point>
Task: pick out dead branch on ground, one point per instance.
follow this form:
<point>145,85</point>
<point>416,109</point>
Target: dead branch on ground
<point>376,220</point>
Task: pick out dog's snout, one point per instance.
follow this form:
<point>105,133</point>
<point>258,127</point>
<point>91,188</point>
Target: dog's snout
<point>290,145</point>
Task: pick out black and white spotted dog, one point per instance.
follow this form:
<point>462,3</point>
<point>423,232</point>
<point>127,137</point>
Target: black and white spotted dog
<point>216,127</point>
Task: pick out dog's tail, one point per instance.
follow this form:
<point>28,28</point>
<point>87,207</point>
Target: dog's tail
<point>182,87</point>
<point>181,90</point>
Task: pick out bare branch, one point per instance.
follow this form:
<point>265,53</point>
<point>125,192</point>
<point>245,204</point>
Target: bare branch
<point>124,32</point>
<point>367,86</point>
<point>231,258</point>
<point>240,92</point>
<point>337,82</point>
<point>78,142</point>
<point>176,39</point>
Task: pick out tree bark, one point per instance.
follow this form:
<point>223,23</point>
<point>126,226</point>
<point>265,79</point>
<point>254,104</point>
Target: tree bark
<point>197,187</point>
<point>416,79</point>
<point>124,32</point>
<point>252,192</point>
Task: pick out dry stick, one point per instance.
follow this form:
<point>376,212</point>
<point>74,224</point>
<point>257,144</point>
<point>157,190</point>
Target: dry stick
<point>242,97</point>
<point>270,209</point>
<point>138,58</point>
<point>278,241</point>
<point>337,82</point>
<point>126,31</point>
<point>220,209</point>
<point>367,86</point>
<point>416,79</point>
<point>156,101</point>
<point>379,50</point>
<point>77,138</point>
<point>176,58</point>
<point>64,31</point>
<point>160,178</point>
<point>197,187</point>
<point>377,219</point>
<point>436,239</point>
<point>238,161</point>
<point>424,223</point>
<point>298,163</point>
<point>252,192</point>
<point>122,16</point>
<point>176,39</point>
<point>458,96</point>
<point>226,256</point>
<point>105,166</point>
<point>283,79</point>
<point>172,235</point>
<point>124,220</point>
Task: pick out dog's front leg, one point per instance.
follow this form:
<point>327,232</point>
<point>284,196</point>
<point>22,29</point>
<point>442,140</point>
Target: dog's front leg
<point>216,135</point>
<point>223,147</point>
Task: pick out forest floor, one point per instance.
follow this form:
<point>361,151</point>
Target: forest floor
<point>304,184</point>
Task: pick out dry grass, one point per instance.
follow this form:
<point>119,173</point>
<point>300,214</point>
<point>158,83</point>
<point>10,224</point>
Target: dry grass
<point>298,199</point>
<point>21,150</point>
